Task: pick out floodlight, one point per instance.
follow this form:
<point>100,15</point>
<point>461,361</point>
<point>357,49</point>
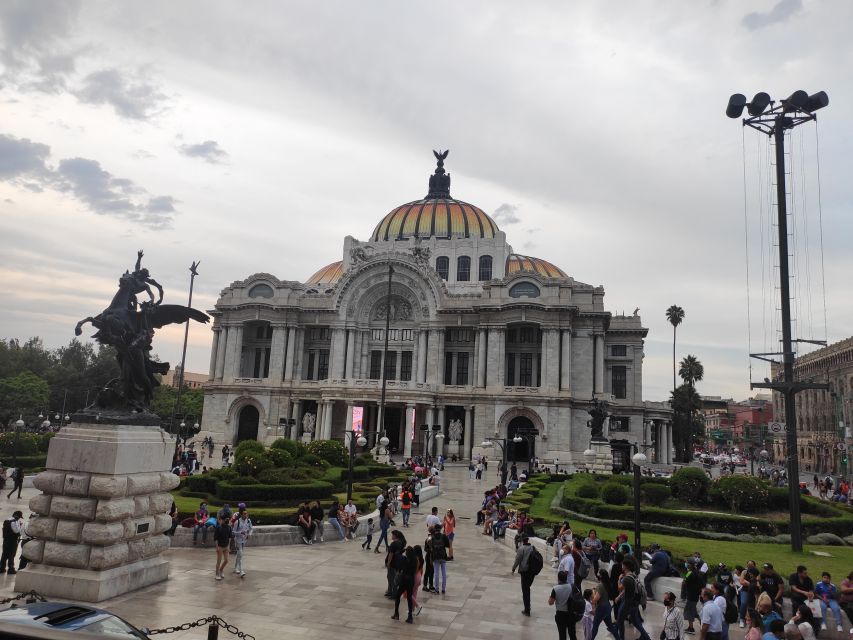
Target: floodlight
<point>737,102</point>
<point>817,101</point>
<point>759,103</point>
<point>797,101</point>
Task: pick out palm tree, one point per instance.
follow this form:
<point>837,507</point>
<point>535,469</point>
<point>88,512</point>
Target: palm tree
<point>691,370</point>
<point>675,315</point>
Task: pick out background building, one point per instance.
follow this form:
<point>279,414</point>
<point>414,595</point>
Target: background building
<point>191,380</point>
<point>481,338</point>
<point>742,425</point>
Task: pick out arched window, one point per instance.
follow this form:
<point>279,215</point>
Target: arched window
<point>442,267</point>
<point>485,268</point>
<point>463,269</point>
<point>261,291</point>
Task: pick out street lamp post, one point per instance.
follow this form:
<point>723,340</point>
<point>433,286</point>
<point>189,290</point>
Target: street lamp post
<point>431,434</point>
<point>361,441</point>
<point>491,442</point>
<point>530,438</point>
<point>380,423</point>
<point>791,112</point>
<point>19,424</point>
<point>177,407</point>
<point>639,459</point>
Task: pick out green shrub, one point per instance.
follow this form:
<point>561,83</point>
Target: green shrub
<point>280,457</point>
<point>742,493</point>
<point>364,459</point>
<point>249,445</point>
<point>358,473</point>
<point>201,484</point>
<point>587,490</point>
<point>382,470</point>
<point>28,443</point>
<point>690,484</point>
<point>28,463</point>
<point>250,462</point>
<point>614,493</point>
<point>654,493</point>
<point>244,480</point>
<point>311,460</point>
<point>332,451</point>
<point>44,441</point>
<point>274,492</point>
<point>295,448</point>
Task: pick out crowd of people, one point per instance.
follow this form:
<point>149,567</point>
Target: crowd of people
<point>190,459</point>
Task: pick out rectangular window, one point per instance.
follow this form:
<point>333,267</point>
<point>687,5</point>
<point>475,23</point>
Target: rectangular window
<point>312,356</point>
<point>620,424</point>
<point>375,365</point>
<point>619,382</point>
<point>391,366</point>
<point>256,370</point>
<point>510,370</point>
<point>448,367</point>
<point>619,350</point>
<point>462,368</point>
<point>406,366</point>
<point>525,369</point>
<point>266,363</point>
<point>319,333</point>
<point>323,365</point>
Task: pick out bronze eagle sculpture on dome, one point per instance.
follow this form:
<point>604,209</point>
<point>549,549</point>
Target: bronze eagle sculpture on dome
<point>128,326</point>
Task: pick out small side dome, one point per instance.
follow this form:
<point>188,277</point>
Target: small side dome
<point>329,274</point>
<point>516,263</point>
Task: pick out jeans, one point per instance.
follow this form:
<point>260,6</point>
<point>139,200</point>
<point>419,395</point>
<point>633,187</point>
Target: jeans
<point>499,528</point>
<point>383,536</point>
<point>406,513</point>
<point>836,610</point>
<point>440,566</point>
<point>630,613</point>
<point>603,613</point>
<point>238,558</point>
<point>647,581</point>
<point>526,583</point>
<point>724,634</point>
<point>203,528</point>
<point>7,561</point>
<point>743,600</point>
<point>318,529</point>
<point>337,525</point>
<point>565,623</point>
<point>405,584</point>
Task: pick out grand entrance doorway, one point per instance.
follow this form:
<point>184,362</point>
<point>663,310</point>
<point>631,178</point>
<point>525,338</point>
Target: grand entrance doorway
<point>392,420</point>
<point>247,425</point>
<point>526,449</point>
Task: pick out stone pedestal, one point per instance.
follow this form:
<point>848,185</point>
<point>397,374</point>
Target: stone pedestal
<point>603,461</point>
<point>103,510</point>
<point>306,437</point>
<point>452,450</point>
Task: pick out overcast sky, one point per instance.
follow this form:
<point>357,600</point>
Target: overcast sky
<point>254,136</point>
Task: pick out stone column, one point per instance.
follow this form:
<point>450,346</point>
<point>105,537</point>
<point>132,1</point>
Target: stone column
<point>669,443</point>
<point>433,375</point>
<point>291,354</point>
<point>296,414</point>
<point>298,348</point>
<point>441,355</point>
<point>422,356</point>
<point>371,435</point>
<point>213,348</point>
<point>327,419</point>
<point>337,354</point>
<point>348,426</point>
<point>237,352</point>
<point>350,354</point>
<point>439,448</point>
<point>497,357</point>
<point>566,361</point>
<point>469,433</point>
<point>599,363</point>
<point>407,431</point>
<point>481,357</point>
<point>222,348</point>
<point>551,361</point>
<point>279,332</point>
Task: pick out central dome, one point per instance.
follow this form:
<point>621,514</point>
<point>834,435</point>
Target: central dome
<point>436,216</point>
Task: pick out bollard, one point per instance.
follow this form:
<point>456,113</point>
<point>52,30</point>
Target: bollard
<point>213,632</point>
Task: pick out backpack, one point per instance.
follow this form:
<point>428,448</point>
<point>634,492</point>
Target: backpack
<point>407,498</point>
<point>640,595</point>
<point>582,568</point>
<point>731,613</point>
<point>535,562</point>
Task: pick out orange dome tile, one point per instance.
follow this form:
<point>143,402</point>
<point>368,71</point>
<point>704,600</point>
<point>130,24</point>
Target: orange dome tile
<point>435,217</point>
<point>329,274</point>
<point>516,263</point>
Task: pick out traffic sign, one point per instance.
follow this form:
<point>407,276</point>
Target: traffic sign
<point>776,427</point>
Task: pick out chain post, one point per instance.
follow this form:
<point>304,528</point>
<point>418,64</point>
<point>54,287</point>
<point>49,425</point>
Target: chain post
<point>213,631</point>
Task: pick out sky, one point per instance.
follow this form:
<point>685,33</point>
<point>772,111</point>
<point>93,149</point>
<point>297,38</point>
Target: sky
<point>253,137</point>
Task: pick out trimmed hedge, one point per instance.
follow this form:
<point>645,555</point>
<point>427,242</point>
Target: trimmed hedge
<point>613,493</point>
<point>28,463</point>
<point>654,493</point>
<point>690,484</point>
<point>332,451</point>
<point>741,493</point>
<point>274,492</point>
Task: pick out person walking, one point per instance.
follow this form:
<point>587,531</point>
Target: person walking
<point>18,480</point>
<point>242,529</point>
<point>384,524</point>
<point>393,559</point>
<point>222,538</point>
<point>601,598</point>
<point>370,530</point>
<point>438,547</point>
<point>592,548</point>
<point>429,570</point>
<point>406,504</point>
<point>525,570</point>
<point>561,600</point>
<point>691,589</point>
<point>406,568</point>
<point>419,575</point>
<point>12,527</point>
<point>628,602</point>
<point>711,618</point>
<point>673,621</point>
<point>449,526</point>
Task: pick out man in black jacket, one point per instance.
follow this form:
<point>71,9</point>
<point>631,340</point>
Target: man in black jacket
<point>522,563</point>
<point>11,535</point>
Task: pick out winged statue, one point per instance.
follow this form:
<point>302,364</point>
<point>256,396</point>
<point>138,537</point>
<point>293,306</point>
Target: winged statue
<point>128,325</point>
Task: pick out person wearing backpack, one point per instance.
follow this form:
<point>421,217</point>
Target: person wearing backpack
<point>631,597</point>
<point>406,504</point>
<point>726,606</point>
<point>529,563</point>
<point>438,545</point>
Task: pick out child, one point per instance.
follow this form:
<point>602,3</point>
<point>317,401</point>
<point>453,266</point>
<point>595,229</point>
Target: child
<point>588,614</point>
<point>370,529</point>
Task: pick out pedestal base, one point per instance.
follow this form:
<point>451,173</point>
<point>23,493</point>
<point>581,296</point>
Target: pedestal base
<point>452,449</point>
<point>306,438</point>
<point>603,461</point>
<point>91,586</point>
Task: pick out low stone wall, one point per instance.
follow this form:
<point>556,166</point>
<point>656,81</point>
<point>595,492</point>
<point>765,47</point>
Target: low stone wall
<point>282,534</point>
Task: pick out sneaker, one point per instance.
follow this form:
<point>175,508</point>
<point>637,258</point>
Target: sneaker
<point>409,619</point>
<point>242,574</point>
<point>11,572</point>
<point>741,624</point>
<point>525,613</point>
<point>691,632</point>
<point>218,577</point>
<point>236,571</point>
<point>823,626</point>
<point>838,627</point>
<point>304,539</point>
<point>322,539</point>
<point>442,592</point>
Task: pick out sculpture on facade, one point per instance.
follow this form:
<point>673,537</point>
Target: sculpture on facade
<point>308,423</point>
<point>439,182</point>
<point>599,414</point>
<point>397,309</point>
<point>128,326</point>
<point>358,254</point>
<point>454,430</point>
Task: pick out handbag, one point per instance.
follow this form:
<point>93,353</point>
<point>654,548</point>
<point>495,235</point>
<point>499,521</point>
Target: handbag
<point>815,608</point>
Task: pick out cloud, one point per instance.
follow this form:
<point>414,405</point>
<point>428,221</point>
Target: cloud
<point>209,151</point>
<point>506,214</point>
<point>780,12</point>
<point>24,162</point>
<point>142,154</point>
<point>136,99</point>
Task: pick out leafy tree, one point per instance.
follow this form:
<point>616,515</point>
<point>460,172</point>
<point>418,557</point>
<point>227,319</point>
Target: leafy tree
<point>192,403</point>
<point>686,421</point>
<point>25,393</point>
<point>675,315</point>
<point>691,370</point>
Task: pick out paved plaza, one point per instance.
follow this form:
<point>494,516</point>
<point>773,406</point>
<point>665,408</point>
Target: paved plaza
<point>335,588</point>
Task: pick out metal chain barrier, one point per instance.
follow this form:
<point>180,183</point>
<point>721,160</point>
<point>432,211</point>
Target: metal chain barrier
<point>210,620</point>
<point>31,596</point>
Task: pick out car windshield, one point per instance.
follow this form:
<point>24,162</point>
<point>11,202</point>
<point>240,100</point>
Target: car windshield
<point>113,626</point>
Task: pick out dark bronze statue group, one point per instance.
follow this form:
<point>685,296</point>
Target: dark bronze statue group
<point>128,325</point>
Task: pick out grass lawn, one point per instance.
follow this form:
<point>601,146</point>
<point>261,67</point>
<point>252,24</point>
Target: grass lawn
<point>783,559</point>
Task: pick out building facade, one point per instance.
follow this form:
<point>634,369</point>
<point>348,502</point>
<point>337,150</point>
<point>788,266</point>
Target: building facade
<point>482,343</point>
<point>823,416</point>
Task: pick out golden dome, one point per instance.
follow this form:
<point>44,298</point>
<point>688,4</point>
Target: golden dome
<point>516,263</point>
<point>329,274</point>
<point>435,217</point>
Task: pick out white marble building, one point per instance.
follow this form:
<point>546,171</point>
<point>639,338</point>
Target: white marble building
<point>499,341</point>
